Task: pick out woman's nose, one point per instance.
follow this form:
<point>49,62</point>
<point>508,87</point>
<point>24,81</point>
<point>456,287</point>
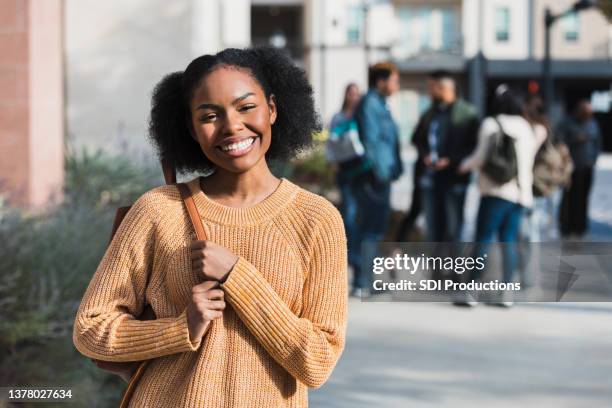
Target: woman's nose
<point>233,123</point>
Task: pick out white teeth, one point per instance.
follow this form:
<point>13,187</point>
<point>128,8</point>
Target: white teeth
<point>238,146</point>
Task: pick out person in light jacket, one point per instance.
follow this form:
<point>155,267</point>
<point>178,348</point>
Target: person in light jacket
<point>502,205</point>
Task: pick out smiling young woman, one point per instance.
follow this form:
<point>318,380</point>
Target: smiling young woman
<point>256,314</point>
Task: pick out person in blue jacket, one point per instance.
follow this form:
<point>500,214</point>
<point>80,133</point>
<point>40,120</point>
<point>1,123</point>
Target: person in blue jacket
<point>380,165</point>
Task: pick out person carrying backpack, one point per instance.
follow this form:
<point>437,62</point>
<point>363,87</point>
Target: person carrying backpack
<point>505,153</point>
<point>344,152</point>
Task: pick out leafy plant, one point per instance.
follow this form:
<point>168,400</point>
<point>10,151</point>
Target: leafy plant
<point>47,261</point>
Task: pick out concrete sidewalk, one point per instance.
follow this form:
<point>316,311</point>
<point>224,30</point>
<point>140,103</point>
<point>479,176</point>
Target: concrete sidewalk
<point>439,355</point>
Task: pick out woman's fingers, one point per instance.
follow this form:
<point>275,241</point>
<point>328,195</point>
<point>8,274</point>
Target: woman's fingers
<point>214,294</point>
<point>215,304</point>
<point>211,314</point>
<point>198,249</point>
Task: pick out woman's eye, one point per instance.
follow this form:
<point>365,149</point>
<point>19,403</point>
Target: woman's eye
<point>208,118</point>
<point>246,107</point>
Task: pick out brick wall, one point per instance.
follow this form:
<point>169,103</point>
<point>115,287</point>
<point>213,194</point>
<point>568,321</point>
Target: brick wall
<point>31,102</point>
<point>14,106</point>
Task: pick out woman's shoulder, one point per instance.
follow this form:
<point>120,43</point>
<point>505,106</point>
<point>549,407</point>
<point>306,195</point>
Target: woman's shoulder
<point>157,200</point>
<point>338,118</point>
<point>489,126</point>
<point>167,193</point>
<point>315,210</point>
<point>513,125</point>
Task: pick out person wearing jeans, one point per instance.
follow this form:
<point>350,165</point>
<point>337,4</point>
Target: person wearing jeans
<point>502,205</point>
<point>503,217</point>
<point>444,136</point>
<point>380,166</point>
<point>344,171</point>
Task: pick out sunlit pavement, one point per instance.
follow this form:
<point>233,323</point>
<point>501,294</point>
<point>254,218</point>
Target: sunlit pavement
<point>439,355</point>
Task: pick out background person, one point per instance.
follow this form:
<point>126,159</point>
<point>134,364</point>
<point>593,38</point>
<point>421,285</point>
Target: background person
<point>445,134</point>
<point>346,159</point>
<point>502,205</point>
<point>581,134</point>
<point>380,166</point>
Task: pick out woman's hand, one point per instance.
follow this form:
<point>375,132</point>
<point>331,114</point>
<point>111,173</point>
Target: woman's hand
<point>206,304</point>
<point>211,260</point>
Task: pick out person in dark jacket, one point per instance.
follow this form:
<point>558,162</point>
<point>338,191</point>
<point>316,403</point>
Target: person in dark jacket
<point>380,166</point>
<point>581,134</point>
<point>408,222</point>
<point>445,134</point>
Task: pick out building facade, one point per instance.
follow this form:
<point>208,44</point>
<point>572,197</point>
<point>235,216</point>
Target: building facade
<point>117,51</point>
<point>503,41</point>
<point>112,53</point>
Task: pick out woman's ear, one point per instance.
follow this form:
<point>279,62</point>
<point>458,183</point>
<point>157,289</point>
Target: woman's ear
<point>272,107</point>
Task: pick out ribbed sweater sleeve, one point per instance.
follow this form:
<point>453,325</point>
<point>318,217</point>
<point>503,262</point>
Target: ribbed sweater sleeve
<point>105,327</point>
<point>307,346</point>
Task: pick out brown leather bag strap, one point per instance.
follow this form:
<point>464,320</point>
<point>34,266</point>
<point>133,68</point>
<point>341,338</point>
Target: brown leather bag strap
<point>169,171</point>
<point>196,221</point>
<point>129,392</point>
<point>170,177</point>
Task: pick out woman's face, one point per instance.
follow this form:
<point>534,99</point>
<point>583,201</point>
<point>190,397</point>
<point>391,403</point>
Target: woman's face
<point>231,119</point>
<point>352,96</point>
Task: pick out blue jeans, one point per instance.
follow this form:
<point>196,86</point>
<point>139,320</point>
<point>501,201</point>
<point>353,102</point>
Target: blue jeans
<point>373,210</point>
<point>500,217</point>
<point>443,204</point>
<point>348,209</point>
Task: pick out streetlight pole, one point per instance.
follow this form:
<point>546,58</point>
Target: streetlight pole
<point>549,20</point>
<point>549,90</point>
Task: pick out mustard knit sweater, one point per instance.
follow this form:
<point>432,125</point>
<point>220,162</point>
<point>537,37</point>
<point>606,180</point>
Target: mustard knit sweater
<point>284,326</point>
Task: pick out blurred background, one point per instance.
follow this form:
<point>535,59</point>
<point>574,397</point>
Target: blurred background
<point>75,83</point>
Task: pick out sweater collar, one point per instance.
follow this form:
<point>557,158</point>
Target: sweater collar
<point>264,210</point>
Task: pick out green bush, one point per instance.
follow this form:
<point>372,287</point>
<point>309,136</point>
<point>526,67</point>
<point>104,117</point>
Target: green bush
<point>312,171</point>
<point>47,261</point>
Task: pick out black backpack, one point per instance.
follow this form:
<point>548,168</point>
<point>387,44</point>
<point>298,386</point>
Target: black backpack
<point>500,164</point>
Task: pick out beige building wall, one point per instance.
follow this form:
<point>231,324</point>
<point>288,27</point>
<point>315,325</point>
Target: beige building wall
<point>593,33</point>
<point>117,50</point>
<point>31,102</point>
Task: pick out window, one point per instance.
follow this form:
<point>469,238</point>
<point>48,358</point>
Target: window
<point>502,24</point>
<point>569,24</point>
<point>427,29</point>
<point>450,30</point>
<point>354,26</point>
<point>424,18</point>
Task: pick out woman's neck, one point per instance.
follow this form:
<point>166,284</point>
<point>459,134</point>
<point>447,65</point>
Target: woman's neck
<point>241,189</point>
<point>348,112</point>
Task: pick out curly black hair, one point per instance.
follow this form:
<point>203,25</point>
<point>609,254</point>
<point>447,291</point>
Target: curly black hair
<point>292,131</point>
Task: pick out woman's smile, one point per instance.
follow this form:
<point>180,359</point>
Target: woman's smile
<point>238,148</point>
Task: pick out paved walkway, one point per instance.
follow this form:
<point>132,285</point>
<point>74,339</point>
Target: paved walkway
<point>437,355</point>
